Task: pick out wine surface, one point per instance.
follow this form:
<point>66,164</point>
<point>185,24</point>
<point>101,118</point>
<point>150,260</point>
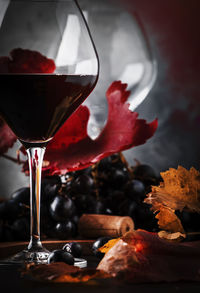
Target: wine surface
<point>36,105</point>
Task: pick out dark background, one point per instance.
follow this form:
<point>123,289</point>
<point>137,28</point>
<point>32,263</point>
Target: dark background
<point>173,29</point>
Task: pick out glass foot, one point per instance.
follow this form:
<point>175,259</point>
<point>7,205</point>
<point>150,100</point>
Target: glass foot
<point>40,257</point>
<point>80,262</point>
<point>26,256</point>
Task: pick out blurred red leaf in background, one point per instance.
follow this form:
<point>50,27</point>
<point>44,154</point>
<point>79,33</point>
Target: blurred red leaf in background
<point>26,61</point>
<point>7,137</point>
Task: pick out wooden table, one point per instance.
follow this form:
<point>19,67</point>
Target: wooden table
<point>11,280</point>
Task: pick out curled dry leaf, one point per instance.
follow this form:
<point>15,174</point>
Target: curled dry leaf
<point>62,273</point>
<point>179,190</point>
<point>177,236</point>
<point>168,220</point>
<point>107,246</point>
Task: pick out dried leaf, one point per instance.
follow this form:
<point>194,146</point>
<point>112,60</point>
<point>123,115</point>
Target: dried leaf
<point>175,237</point>
<point>168,221</point>
<point>107,246</point>
<point>84,275</point>
<point>63,273</point>
<point>179,190</point>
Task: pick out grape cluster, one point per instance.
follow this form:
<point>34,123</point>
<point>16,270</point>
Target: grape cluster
<point>110,187</point>
<point>14,216</point>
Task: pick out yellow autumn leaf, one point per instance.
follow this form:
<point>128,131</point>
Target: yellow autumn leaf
<point>179,190</point>
<point>106,247</point>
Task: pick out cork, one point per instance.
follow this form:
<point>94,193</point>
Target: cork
<point>93,226</point>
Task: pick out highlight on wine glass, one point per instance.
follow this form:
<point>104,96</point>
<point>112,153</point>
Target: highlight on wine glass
<point>48,67</point>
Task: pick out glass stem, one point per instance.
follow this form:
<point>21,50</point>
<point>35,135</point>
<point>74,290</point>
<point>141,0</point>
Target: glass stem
<point>35,159</point>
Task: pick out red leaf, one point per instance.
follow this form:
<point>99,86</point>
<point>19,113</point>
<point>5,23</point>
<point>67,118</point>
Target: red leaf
<point>26,61</point>
<point>73,131</point>
<point>72,149</point>
<point>7,137</point>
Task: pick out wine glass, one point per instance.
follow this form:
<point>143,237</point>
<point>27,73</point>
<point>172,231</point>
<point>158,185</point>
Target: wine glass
<point>48,67</point>
<point>125,54</point>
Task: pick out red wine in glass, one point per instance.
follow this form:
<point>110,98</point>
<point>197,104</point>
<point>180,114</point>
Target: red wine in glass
<point>48,67</point>
<point>36,105</point>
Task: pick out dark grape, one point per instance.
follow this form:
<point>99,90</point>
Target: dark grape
<point>7,234</point>
<point>85,204</point>
<point>74,248</point>
<point>20,229</point>
<point>133,207</point>
<point>61,208</point>
<point>10,209</point>
<point>99,243</point>
<point>108,212</point>
<point>22,195</point>
<point>118,177</point>
<point>49,191</point>
<point>146,174</point>
<point>135,190</point>
<point>99,208</point>
<point>117,161</point>
<point>52,180</point>
<point>114,200</point>
<point>45,217</point>
<point>49,188</point>
<point>68,188</point>
<point>185,218</point>
<point>1,231</point>
<point>75,219</point>
<point>60,255</point>
<point>86,171</point>
<point>48,228</point>
<point>3,212</point>
<point>64,230</point>
<point>127,208</point>
<point>105,164</point>
<point>144,218</point>
<point>190,221</point>
<point>83,184</point>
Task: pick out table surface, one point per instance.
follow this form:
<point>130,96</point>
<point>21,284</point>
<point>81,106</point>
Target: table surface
<point>11,279</point>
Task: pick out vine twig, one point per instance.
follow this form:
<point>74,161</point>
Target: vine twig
<point>15,160</point>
